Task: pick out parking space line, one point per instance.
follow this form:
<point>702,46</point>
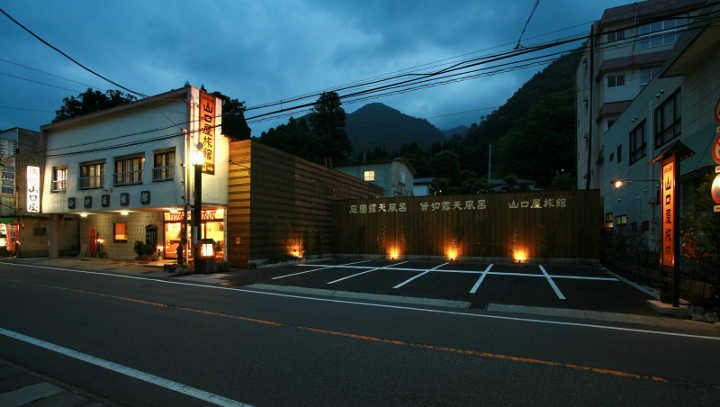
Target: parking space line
<point>419,275</point>
<point>315,269</point>
<point>552,283</point>
<point>584,277</point>
<point>475,287</point>
<point>365,272</point>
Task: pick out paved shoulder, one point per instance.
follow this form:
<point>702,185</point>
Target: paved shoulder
<point>21,387</point>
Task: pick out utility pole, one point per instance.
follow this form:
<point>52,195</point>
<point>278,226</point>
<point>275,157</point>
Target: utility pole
<point>197,209</point>
<point>590,109</point>
<point>489,163</point>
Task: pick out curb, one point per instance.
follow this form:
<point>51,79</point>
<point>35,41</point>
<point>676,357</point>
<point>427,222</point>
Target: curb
<point>646,290</point>
<point>362,296</point>
<point>672,323</point>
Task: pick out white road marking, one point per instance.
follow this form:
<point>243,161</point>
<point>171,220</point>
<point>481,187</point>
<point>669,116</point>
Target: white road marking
<point>125,370</point>
<point>552,283</point>
<point>364,272</point>
<point>377,305</point>
<point>316,269</point>
<point>419,275</point>
<point>498,273</point>
<point>475,287</point>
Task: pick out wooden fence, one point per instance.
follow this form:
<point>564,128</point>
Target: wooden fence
<point>280,204</point>
<point>538,224</point>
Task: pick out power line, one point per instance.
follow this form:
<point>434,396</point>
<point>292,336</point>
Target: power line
<point>526,24</point>
<point>26,108</point>
<point>68,56</point>
<point>46,73</point>
<point>37,82</point>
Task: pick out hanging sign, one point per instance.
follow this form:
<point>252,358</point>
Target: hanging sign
<point>33,189</point>
<point>715,190</point>
<point>716,147</point>
<point>668,212</point>
<point>206,131</point>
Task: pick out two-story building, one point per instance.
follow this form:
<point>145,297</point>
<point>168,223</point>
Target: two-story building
<point>125,174</point>
<point>395,176</point>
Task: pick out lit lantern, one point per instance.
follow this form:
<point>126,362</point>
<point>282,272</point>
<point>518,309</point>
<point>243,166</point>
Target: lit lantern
<point>207,248</point>
<point>394,253</point>
<point>520,255</point>
<point>452,253</point>
<point>100,241</point>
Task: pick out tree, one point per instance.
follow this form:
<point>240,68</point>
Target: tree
<point>91,101</point>
<point>328,121</point>
<point>234,125</point>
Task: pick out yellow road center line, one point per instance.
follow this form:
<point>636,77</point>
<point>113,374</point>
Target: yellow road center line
<point>374,339</point>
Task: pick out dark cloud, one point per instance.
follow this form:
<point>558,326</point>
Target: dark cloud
<point>266,51</point>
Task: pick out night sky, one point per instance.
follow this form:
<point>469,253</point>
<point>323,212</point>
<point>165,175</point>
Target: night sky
<point>261,52</point>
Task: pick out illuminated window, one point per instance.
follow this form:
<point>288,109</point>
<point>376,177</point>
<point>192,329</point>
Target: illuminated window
<point>92,174</point>
<point>59,179</point>
<point>164,167</point>
<point>369,175</point>
<point>609,220</point>
<point>129,170</point>
<point>621,220</point>
<point>120,232</point>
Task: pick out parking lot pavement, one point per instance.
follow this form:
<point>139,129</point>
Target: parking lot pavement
<point>548,285</point>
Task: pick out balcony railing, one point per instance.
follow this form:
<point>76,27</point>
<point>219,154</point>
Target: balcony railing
<point>58,185</point>
<point>163,173</point>
<point>90,182</point>
<point>128,177</point>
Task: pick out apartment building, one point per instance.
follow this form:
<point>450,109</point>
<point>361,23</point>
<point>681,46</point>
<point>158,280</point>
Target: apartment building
<point>630,44</point>
<point>395,176</point>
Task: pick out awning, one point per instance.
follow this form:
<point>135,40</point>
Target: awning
<point>10,219</point>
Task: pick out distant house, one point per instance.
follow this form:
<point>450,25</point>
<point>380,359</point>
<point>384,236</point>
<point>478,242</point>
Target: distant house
<point>395,176</point>
<point>421,186</point>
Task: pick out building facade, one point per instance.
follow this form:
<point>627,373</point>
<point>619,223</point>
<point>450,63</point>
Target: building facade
<point>678,105</point>
<point>126,175</point>
<point>23,228</point>
<point>631,43</point>
<point>395,176</point>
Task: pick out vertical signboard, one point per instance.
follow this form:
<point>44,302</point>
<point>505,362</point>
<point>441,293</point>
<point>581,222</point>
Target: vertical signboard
<point>207,131</point>
<point>33,189</point>
<point>668,212</point>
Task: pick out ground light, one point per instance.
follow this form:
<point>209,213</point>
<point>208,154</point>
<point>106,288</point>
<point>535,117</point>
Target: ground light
<point>520,255</point>
<point>452,253</point>
<point>124,213</point>
<point>394,253</point>
<point>84,215</point>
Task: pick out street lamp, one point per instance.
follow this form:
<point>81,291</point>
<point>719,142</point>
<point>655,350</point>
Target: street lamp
<point>618,183</point>
<point>197,159</point>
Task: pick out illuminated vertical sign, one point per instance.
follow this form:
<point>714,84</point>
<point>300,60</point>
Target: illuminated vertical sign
<point>207,131</point>
<point>668,212</point>
<point>33,189</point>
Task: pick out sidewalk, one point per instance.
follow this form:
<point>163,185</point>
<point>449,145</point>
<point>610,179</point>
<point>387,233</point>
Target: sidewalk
<point>129,267</point>
<point>21,387</point>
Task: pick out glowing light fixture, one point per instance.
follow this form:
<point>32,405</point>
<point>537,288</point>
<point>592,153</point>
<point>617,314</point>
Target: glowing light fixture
<point>618,183</point>
<point>394,253</point>
<point>520,255</point>
<point>452,253</point>
<point>124,213</point>
<point>207,249</point>
<point>197,157</point>
<point>83,214</point>
<point>101,241</point>
<point>173,210</point>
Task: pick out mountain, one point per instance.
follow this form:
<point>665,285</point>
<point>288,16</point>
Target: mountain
<point>377,125</point>
<point>461,130</point>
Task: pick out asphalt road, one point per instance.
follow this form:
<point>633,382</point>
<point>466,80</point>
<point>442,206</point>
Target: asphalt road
<point>273,349</point>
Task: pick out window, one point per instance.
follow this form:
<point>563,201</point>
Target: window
<point>609,220</point>
<point>667,120</point>
<point>59,179</point>
<point>611,157</point>
<point>661,33</point>
<point>615,36</point>
<point>369,175</point>
<point>8,148</point>
<point>129,170</point>
<point>621,220</point>
<point>616,80</point>
<point>92,175</point>
<point>164,165</point>
<point>610,123</point>
<point>619,153</point>
<point>638,143</point>
<point>647,75</point>
<point>120,232</point>
<point>8,179</point>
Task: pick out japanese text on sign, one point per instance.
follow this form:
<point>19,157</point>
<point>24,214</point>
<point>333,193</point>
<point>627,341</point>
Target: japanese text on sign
<point>207,131</point>
<point>538,203</point>
<point>389,207</point>
<point>471,204</point>
<point>33,189</point>
<point>668,216</point>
